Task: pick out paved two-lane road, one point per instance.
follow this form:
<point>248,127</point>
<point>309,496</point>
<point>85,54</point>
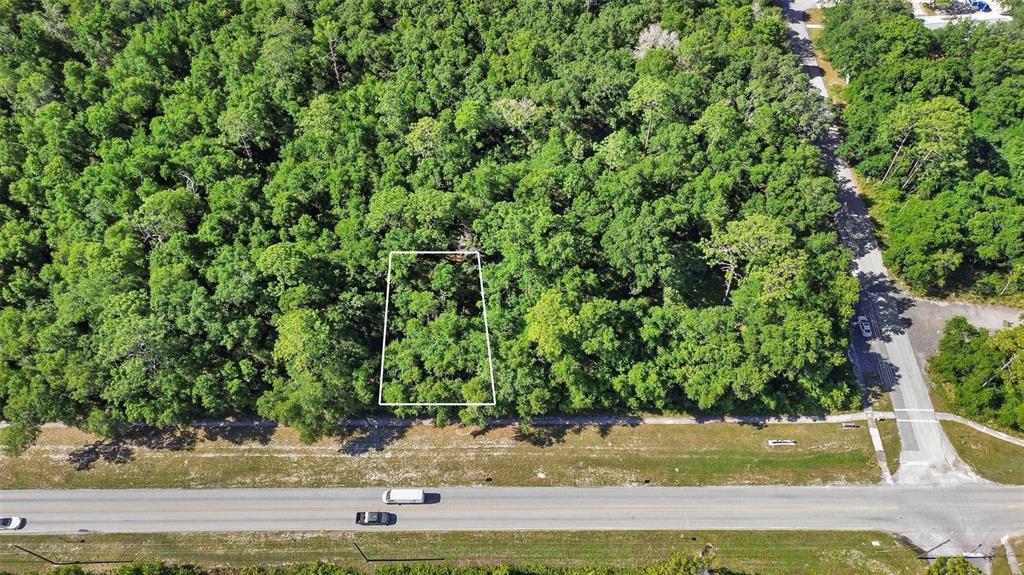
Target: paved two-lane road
<point>972,517</point>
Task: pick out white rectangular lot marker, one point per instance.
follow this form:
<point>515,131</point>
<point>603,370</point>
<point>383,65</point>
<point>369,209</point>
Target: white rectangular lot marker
<point>487,331</point>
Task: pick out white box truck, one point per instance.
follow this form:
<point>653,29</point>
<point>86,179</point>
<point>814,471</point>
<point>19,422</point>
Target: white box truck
<point>403,496</point>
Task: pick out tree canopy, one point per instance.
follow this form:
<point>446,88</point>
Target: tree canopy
<point>982,374</point>
<point>198,199</point>
<point>953,566</point>
<point>935,116</point>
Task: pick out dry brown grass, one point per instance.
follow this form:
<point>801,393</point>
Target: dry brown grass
<point>717,453</point>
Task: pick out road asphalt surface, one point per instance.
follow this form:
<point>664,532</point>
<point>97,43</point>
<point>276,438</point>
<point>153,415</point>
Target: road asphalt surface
<point>966,518</point>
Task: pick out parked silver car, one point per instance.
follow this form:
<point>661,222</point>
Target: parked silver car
<point>865,326</point>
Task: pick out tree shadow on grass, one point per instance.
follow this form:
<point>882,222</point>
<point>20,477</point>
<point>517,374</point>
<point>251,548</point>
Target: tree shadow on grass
<point>86,456</point>
<point>121,449</point>
<point>260,432</point>
<point>485,429</point>
<point>183,439</point>
<point>360,441</point>
<point>875,390</point>
<point>547,435</point>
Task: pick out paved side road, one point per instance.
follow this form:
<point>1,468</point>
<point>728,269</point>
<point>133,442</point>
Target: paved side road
<point>927,457</point>
<point>968,518</point>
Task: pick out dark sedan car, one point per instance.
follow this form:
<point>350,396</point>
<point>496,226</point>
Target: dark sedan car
<point>374,518</point>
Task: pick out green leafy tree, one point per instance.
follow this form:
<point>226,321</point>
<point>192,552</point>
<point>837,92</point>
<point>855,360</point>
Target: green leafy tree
<point>952,566</point>
<point>982,374</point>
<point>198,201</point>
<point>933,115</point>
<point>933,141</point>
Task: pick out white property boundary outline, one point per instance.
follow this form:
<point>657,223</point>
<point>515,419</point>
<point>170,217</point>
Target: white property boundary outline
<point>487,330</point>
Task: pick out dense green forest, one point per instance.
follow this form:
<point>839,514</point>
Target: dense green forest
<point>198,200</point>
<point>981,375</point>
<point>937,119</point>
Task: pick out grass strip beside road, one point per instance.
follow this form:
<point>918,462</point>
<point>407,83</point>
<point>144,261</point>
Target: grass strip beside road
<point>881,400</point>
<point>762,552</point>
<point>707,454</point>
<point>1000,563</point>
<point>991,457</point>
<point>890,435</point>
